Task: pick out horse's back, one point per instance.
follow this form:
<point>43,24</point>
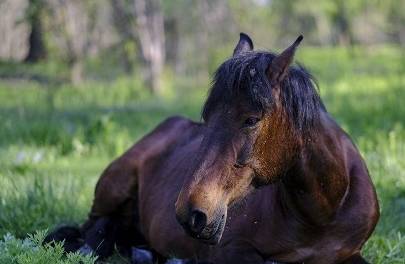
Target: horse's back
<point>164,137</point>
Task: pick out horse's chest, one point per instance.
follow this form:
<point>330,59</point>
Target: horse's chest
<point>266,226</point>
<point>283,241</point>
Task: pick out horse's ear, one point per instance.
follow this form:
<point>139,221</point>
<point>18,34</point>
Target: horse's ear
<point>245,44</point>
<point>279,66</point>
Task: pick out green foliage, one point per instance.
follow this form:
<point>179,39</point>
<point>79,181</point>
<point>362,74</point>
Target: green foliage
<point>32,251</point>
<point>56,139</point>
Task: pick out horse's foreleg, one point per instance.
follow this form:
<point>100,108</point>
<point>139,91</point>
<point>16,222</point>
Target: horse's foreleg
<point>355,259</point>
<point>116,194</point>
<point>116,188</point>
<point>113,216</point>
<point>69,235</point>
<point>100,238</point>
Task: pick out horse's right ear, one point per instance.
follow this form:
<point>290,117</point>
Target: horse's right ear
<point>279,66</point>
<point>245,44</point>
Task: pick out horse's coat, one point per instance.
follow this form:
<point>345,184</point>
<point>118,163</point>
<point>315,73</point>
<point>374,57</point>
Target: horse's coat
<point>264,125</point>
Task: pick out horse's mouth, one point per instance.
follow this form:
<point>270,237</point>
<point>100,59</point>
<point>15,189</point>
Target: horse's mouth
<point>212,235</point>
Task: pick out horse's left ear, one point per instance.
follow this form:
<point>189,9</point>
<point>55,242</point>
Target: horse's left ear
<point>245,44</point>
<point>279,66</point>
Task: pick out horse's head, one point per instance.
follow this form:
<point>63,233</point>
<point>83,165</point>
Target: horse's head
<point>248,137</point>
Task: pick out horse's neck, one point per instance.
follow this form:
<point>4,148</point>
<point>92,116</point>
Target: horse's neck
<point>315,186</point>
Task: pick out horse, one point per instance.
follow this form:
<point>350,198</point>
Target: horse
<point>267,176</point>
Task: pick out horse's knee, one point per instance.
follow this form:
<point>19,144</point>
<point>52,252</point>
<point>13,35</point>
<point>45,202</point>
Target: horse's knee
<point>69,235</point>
<point>100,238</point>
<point>105,233</point>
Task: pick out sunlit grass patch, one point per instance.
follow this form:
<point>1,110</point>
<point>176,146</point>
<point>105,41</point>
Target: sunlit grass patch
<point>56,139</point>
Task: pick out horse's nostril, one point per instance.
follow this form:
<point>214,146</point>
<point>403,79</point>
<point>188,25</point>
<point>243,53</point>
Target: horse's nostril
<point>238,165</point>
<point>198,221</point>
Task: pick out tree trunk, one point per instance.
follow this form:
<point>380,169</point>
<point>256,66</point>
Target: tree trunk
<point>172,42</point>
<point>123,21</point>
<point>343,25</point>
<point>76,71</point>
<point>150,39</point>
<point>36,50</point>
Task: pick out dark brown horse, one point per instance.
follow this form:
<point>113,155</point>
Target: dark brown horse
<point>267,176</point>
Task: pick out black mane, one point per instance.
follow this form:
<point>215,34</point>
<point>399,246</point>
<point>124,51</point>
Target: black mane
<point>245,75</point>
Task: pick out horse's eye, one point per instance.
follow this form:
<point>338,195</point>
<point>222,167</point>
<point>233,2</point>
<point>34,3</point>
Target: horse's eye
<point>251,121</point>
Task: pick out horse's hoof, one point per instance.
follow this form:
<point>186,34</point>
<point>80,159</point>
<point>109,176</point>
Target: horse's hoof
<point>141,256</point>
<point>85,250</point>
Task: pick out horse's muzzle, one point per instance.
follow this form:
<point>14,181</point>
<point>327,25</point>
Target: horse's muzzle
<point>196,226</point>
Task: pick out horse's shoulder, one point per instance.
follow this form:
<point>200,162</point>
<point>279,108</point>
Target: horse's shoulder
<point>117,181</point>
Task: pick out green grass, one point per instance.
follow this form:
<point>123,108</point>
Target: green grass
<point>56,139</point>
<point>31,251</point>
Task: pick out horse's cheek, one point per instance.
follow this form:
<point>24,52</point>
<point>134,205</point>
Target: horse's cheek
<point>260,164</point>
<point>268,150</point>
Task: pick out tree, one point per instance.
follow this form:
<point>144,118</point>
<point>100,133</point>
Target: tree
<point>74,28</point>
<point>343,24</point>
<point>123,20</point>
<point>150,38</point>
<point>142,22</point>
<point>36,50</point>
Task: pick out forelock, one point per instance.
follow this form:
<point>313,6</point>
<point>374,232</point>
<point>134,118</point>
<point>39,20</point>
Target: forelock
<point>246,75</point>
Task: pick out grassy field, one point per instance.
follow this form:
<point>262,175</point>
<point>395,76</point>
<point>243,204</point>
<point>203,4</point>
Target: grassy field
<point>56,139</point>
